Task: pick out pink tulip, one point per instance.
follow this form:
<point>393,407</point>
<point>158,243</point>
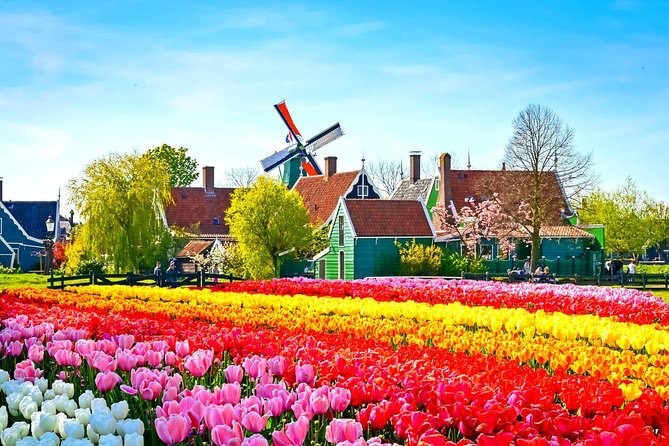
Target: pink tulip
<point>227,435</point>
<point>234,374</point>
<point>170,393</point>
<point>36,353</point>
<point>215,415</point>
<point>293,434</point>
<point>127,389</point>
<point>126,360</point>
<point>319,403</point>
<point>168,408</point>
<point>125,341</point>
<point>85,347</point>
<point>341,429</point>
<point>254,422</point>
<point>182,348</point>
<point>105,381</point>
<point>255,440</point>
<point>171,358</point>
<point>106,345</point>
<point>199,362</point>
<point>26,370</point>
<point>174,429</point>
<point>102,361</point>
<point>160,346</point>
<point>228,393</point>
<point>278,365</point>
<point>193,408</point>
<point>150,390</point>
<point>305,374</point>
<point>154,358</point>
<point>14,348</point>
<point>67,358</point>
<point>255,366</point>
<point>340,398</point>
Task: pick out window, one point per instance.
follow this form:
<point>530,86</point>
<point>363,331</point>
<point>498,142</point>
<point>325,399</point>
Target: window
<point>341,230</point>
<point>321,269</point>
<point>486,251</point>
<point>217,220</point>
<point>363,191</point>
<point>341,265</point>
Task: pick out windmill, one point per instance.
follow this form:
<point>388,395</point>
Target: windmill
<point>299,155</point>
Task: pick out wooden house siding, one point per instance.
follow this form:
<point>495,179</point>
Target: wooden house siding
<point>379,256</point>
<point>332,257</point>
<point>22,245</point>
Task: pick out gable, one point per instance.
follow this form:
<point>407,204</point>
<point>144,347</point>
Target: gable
<point>31,216</point>
<point>408,190</point>
<point>389,218</point>
<point>13,232</point>
<point>320,194</point>
<point>193,207</point>
<point>362,188</point>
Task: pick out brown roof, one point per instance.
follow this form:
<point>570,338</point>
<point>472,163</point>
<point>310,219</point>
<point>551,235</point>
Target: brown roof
<point>389,218</point>
<point>563,231</point>
<point>408,190</point>
<point>320,194</point>
<point>192,207</point>
<point>474,183</point>
<point>194,247</point>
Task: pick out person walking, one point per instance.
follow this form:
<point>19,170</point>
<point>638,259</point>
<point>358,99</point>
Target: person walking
<point>158,272</point>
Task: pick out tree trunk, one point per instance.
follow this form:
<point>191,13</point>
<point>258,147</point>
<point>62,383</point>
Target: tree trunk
<point>536,250</point>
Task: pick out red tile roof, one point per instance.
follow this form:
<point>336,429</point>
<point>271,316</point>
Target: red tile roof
<point>193,208</point>
<point>565,231</point>
<point>389,218</point>
<point>474,183</point>
<point>320,194</point>
<point>195,247</point>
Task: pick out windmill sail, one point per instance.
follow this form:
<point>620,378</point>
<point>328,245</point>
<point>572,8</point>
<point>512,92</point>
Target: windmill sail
<point>325,137</point>
<point>280,157</point>
<point>282,109</point>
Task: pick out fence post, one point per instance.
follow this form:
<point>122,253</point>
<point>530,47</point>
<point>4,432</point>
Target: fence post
<point>200,279</point>
<point>91,277</point>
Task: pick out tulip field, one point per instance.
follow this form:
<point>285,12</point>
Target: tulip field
<point>291,362</point>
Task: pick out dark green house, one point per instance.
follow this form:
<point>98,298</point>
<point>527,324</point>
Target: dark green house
<point>363,234</point>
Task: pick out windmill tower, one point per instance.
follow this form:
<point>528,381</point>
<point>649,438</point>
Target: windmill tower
<point>299,155</point>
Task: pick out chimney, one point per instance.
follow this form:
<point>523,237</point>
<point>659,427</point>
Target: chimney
<point>330,166</point>
<point>0,188</point>
<point>503,165</point>
<point>208,180</point>
<point>445,195</point>
<point>414,166</point>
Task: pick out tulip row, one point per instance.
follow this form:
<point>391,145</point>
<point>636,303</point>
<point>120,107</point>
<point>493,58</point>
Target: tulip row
<point>624,304</point>
<point>601,347</point>
<point>374,378</point>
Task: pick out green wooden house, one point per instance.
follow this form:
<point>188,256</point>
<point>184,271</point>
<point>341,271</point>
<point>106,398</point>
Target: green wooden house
<point>363,234</point>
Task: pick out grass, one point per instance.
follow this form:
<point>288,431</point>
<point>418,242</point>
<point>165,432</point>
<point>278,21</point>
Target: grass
<point>9,281</point>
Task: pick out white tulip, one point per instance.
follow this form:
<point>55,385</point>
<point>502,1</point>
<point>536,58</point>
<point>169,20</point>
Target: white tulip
<point>120,410</point>
<point>110,440</point>
<point>13,400</point>
<point>4,417</point>
<point>4,376</point>
<point>99,405</point>
<point>73,429</point>
<point>27,407</point>
<point>75,442</point>
<point>49,406</point>
<point>42,384</point>
<point>69,407</point>
<point>130,426</point>
<point>49,439</point>
<point>49,395</point>
<point>12,434</point>
<point>10,386</point>
<point>91,434</point>
<point>133,439</point>
<point>85,399</point>
<point>60,401</point>
<point>27,441</point>
<point>57,387</point>
<point>25,387</point>
<point>47,421</point>
<point>36,394</point>
<point>36,430</point>
<point>103,422</point>
<point>60,421</point>
<point>83,415</point>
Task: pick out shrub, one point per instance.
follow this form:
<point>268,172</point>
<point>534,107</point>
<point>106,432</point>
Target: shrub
<point>417,259</point>
<point>453,264</point>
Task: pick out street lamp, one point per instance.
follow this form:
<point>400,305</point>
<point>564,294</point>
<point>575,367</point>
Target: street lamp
<point>48,244</point>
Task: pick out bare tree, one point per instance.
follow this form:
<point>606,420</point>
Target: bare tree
<point>543,146</point>
<point>386,174</point>
<point>241,176</point>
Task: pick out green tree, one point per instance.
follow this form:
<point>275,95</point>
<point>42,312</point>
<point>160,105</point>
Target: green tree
<point>182,168</point>
<point>632,220</point>
<point>268,220</point>
<point>119,197</point>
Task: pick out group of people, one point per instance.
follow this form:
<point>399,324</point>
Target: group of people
<point>170,273</point>
<point>541,274</point>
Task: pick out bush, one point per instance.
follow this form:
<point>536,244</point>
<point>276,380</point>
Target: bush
<point>5,270</point>
<point>453,264</point>
<point>419,260</point>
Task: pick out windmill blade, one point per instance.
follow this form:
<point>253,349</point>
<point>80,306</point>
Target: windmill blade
<point>325,137</point>
<point>279,158</point>
<point>310,165</point>
<point>282,110</point>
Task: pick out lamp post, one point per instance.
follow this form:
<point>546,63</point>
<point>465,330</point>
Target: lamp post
<point>48,245</point>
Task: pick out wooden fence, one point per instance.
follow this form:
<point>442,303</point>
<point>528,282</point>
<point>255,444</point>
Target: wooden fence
<point>198,279</point>
<point>623,280</point>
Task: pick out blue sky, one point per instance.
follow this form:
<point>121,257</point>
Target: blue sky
<point>81,79</point>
